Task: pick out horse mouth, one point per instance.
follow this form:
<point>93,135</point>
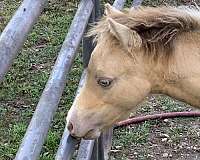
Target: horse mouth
<point>92,134</point>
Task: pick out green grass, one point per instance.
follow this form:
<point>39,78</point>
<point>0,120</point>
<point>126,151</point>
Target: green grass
<point>133,135</point>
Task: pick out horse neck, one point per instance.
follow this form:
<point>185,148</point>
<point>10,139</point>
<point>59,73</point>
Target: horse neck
<point>181,76</point>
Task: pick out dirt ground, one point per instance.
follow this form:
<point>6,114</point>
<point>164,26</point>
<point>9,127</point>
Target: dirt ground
<point>174,139</point>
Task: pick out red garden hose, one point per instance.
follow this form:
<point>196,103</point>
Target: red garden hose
<point>140,119</point>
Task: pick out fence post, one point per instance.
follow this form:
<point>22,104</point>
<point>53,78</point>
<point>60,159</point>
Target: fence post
<point>96,152</point>
<point>88,45</point>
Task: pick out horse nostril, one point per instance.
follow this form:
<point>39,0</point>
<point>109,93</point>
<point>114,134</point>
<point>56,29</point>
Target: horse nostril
<point>70,126</point>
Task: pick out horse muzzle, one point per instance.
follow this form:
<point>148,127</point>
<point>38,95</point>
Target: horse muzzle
<point>85,131</point>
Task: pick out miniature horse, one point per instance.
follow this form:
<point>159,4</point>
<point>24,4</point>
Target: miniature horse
<point>138,52</point>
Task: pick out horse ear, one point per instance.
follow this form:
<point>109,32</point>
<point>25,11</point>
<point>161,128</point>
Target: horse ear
<point>109,10</point>
<point>130,39</point>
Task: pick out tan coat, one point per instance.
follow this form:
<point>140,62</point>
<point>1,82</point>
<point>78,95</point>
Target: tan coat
<point>149,50</point>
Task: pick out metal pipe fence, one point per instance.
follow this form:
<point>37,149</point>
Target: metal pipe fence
<point>15,33</point>
<point>11,41</point>
<point>43,115</point>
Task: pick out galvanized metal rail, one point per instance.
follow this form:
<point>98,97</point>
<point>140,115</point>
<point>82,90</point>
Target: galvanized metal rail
<point>119,4</point>
<point>67,143</point>
<point>11,41</point>
<point>39,125</point>
<point>15,33</point>
<point>136,3</point>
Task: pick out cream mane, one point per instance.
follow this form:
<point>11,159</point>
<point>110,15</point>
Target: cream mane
<point>158,27</point>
